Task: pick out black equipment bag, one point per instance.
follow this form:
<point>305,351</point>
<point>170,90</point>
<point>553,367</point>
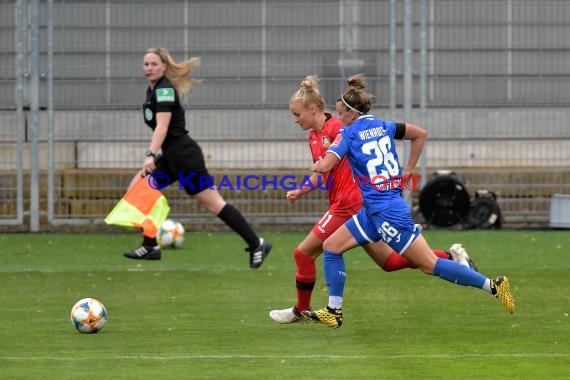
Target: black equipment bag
<point>444,201</point>
<point>485,211</point>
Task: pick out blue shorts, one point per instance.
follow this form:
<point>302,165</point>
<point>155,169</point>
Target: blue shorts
<point>397,231</point>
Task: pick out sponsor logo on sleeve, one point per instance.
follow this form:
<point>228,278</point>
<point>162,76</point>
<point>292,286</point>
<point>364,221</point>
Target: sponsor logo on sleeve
<point>337,140</point>
<point>164,95</point>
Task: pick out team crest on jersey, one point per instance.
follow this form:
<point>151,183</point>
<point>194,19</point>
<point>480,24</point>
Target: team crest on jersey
<point>165,95</point>
<point>148,114</point>
<point>326,141</point>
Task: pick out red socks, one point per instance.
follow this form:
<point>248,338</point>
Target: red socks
<point>305,279</point>
<point>442,254</point>
<point>397,262</point>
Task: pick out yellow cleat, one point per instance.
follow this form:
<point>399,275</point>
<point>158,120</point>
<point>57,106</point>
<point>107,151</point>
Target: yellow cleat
<point>502,291</point>
<point>327,316</point>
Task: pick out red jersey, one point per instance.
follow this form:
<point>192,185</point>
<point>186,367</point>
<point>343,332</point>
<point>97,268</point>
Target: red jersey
<point>344,195</point>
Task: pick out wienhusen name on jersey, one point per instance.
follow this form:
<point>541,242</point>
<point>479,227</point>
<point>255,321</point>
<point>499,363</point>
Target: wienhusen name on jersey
<point>372,133</point>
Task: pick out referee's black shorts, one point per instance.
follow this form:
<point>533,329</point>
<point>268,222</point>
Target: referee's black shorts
<point>183,161</point>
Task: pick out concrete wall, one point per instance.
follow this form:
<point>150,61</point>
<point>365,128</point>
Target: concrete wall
<point>268,138</point>
<point>277,124</point>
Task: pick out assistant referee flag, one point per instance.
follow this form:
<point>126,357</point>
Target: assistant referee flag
<point>142,206</point>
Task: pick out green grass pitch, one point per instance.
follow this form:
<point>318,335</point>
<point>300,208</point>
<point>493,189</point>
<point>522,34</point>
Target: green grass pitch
<point>201,313</point>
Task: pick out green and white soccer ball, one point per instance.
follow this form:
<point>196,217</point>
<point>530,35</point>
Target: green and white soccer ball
<point>170,234</point>
<point>88,315</point>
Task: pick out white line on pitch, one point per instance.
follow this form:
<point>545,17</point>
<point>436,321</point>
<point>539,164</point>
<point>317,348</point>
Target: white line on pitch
<point>298,357</point>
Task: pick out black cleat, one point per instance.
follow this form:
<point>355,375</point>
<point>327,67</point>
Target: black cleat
<point>258,255</point>
<point>144,253</point>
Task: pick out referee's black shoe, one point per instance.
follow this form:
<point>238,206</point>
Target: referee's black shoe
<point>258,255</point>
<point>144,253</point>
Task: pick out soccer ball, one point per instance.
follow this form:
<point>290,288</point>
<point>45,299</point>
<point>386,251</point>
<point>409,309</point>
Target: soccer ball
<point>170,234</point>
<point>88,315</point>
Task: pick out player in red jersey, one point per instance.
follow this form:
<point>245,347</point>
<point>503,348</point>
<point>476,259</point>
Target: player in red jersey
<point>308,108</point>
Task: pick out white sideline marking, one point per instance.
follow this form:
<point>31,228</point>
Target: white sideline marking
<point>230,357</point>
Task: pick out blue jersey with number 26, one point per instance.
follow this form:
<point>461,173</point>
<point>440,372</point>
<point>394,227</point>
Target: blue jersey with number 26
<point>369,145</point>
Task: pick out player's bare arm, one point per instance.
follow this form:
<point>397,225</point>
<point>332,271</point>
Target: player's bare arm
<point>417,137</point>
<point>158,136</point>
<point>326,164</point>
<point>293,195</point>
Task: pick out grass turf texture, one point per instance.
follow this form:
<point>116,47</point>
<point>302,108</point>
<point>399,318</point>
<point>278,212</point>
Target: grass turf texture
<point>201,312</point>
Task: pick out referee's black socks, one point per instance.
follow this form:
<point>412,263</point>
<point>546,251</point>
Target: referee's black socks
<point>235,220</point>
<point>149,242</point>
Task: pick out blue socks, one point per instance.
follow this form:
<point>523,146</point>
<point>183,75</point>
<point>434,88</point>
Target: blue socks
<point>458,274</point>
<point>335,273</point>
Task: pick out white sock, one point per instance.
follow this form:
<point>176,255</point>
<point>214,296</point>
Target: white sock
<point>487,286</point>
<point>335,302</point>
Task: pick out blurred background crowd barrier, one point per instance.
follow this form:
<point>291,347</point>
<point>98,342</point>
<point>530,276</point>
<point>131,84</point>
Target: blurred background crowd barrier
<point>488,79</point>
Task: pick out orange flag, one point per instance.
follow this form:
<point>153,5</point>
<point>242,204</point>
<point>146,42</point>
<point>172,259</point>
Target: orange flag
<point>142,206</point>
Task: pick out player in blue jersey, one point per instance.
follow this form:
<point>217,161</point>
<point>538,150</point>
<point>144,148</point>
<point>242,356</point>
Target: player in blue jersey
<point>369,144</point>
<point>307,106</point>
